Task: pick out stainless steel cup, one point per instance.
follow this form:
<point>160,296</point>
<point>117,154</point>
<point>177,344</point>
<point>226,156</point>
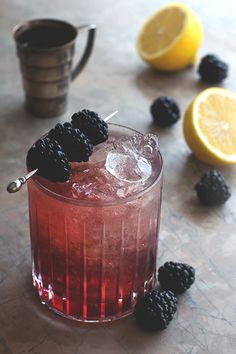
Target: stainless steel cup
<point>45,48</point>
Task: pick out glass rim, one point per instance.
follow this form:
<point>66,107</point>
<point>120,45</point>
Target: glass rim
<point>103,203</point>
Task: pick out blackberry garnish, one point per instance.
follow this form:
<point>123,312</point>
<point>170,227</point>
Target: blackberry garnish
<point>212,189</point>
<point>48,156</point>
<point>155,310</point>
<point>165,111</point>
<point>91,125</point>
<point>76,145</point>
<point>176,277</point>
<point>212,69</point>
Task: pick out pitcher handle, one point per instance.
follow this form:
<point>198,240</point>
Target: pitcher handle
<point>88,49</point>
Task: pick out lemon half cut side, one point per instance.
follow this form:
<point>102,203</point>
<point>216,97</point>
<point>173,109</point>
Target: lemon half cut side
<point>210,126</point>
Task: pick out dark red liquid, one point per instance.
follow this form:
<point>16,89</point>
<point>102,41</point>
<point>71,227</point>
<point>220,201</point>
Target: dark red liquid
<point>46,35</point>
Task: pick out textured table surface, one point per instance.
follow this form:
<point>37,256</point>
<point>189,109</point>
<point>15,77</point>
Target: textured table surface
<point>115,78</point>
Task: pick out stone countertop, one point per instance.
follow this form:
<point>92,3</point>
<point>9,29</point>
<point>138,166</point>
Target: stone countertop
<point>116,78</point>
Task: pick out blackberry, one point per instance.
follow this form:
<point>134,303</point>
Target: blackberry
<point>155,310</point>
<point>212,69</point>
<point>91,125</point>
<point>212,189</point>
<point>176,277</point>
<point>76,145</point>
<point>48,156</point>
<point>165,111</point>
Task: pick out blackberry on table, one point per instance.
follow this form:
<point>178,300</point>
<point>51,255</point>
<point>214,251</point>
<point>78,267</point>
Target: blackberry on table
<point>50,159</point>
<point>212,69</point>
<point>76,145</point>
<point>165,111</point>
<point>155,310</point>
<point>177,277</point>
<point>212,189</point>
<point>91,125</point>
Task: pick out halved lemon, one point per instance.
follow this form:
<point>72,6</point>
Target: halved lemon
<point>210,126</point>
<point>169,40</point>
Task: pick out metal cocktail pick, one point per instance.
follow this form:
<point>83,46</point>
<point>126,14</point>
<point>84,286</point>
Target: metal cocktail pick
<point>16,185</point>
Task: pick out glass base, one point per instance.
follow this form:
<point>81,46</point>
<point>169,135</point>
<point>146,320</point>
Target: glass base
<point>82,320</point>
<point>62,307</point>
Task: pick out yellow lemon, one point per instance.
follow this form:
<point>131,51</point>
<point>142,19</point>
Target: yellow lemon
<point>210,126</point>
<point>170,39</point>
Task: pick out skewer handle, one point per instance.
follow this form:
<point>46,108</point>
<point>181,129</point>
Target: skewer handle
<point>16,185</point>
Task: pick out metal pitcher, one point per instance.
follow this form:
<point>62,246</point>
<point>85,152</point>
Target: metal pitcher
<point>45,48</point>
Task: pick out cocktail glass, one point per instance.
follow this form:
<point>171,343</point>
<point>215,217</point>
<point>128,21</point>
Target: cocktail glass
<point>94,239</point>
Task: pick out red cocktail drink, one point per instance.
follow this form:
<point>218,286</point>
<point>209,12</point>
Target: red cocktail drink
<point>94,238</point>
